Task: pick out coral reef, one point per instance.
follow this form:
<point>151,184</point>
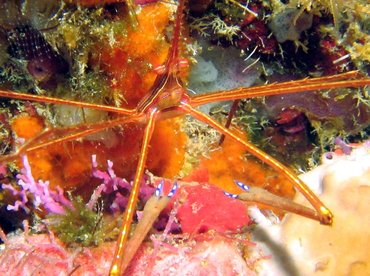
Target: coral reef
<point>104,68</point>
<point>111,53</point>
<point>74,220</point>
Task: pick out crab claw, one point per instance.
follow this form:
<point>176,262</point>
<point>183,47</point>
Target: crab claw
<point>159,189</point>
<point>173,190</point>
<point>153,207</point>
<point>242,185</point>
<point>231,195</point>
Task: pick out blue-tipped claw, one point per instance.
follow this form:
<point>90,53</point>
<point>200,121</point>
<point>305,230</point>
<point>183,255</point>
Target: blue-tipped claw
<point>242,185</point>
<point>159,189</point>
<point>173,190</point>
<point>231,195</point>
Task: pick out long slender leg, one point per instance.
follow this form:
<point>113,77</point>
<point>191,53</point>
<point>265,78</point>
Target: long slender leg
<point>131,205</point>
<point>339,77</point>
<point>330,82</point>
<point>259,195</point>
<point>233,109</point>
<point>324,214</point>
<point>45,99</point>
<point>232,112</point>
<point>152,210</point>
<point>58,135</point>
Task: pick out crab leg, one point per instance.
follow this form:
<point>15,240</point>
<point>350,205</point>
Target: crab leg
<point>262,196</point>
<point>330,82</point>
<point>67,134</point>
<point>258,195</point>
<point>324,214</point>
<point>152,209</point>
<point>45,99</point>
<point>233,109</point>
<point>131,205</point>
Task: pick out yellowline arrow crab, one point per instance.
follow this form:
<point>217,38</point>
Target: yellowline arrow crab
<point>167,98</point>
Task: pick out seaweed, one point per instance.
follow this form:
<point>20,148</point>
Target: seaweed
<point>83,226</point>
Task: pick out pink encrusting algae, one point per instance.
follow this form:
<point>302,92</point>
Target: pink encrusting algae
<point>203,254</point>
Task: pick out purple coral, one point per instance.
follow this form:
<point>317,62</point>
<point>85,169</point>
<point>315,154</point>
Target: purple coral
<point>55,202</point>
<point>40,192</point>
<point>113,184</point>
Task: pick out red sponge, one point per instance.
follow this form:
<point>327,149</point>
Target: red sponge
<point>206,207</point>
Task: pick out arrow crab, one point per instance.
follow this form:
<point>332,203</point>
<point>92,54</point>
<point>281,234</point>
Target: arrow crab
<point>168,98</point>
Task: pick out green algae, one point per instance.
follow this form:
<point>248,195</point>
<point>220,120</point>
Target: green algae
<point>82,226</point>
